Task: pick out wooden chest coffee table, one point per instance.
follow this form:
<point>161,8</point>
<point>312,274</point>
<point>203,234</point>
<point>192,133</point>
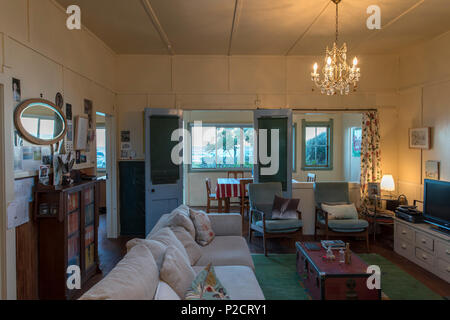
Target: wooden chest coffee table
<point>331,280</point>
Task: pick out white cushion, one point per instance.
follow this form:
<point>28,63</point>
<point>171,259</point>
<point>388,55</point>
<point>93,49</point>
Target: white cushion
<point>239,281</point>
<point>158,249</point>
<point>165,292</point>
<point>193,250</point>
<point>135,277</point>
<point>168,238</point>
<point>341,211</point>
<point>176,271</point>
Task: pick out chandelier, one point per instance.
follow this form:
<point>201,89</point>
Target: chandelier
<point>338,76</point>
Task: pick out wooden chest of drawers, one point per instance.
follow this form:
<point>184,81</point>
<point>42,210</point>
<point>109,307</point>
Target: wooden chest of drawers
<point>424,246</point>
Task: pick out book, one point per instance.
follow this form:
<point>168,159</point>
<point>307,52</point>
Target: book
<point>333,244</point>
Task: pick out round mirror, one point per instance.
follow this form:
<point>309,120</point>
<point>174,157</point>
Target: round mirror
<point>40,122</point>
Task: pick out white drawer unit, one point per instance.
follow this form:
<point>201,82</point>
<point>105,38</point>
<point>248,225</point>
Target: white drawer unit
<point>424,246</point>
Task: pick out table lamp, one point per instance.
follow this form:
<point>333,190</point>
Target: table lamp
<point>388,184</point>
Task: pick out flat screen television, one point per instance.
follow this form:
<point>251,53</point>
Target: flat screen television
<point>436,206</point>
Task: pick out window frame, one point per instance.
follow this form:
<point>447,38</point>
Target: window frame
<point>329,126</point>
<point>221,125</point>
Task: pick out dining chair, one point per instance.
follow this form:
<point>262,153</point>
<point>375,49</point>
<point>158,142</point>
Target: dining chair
<point>336,193</point>
<point>236,174</point>
<point>210,196</point>
<point>245,204</point>
<point>311,177</point>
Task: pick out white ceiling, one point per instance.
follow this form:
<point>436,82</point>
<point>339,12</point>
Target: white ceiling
<point>259,27</point>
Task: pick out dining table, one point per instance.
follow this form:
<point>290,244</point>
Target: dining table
<point>227,188</point>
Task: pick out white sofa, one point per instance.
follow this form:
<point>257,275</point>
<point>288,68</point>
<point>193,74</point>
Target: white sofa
<point>228,253</point>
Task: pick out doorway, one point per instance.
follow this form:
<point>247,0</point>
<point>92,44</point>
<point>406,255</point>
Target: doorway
<point>106,171</point>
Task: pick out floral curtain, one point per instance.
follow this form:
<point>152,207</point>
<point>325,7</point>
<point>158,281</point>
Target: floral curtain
<point>370,154</point>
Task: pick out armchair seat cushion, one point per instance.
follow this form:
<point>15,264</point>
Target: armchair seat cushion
<point>349,225</point>
<point>274,226</point>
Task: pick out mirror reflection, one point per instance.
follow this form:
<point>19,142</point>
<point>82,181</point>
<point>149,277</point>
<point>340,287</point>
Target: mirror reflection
<point>42,121</point>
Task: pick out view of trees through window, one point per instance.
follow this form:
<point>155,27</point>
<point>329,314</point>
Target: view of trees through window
<point>222,147</point>
<point>316,145</point>
<point>101,148</point>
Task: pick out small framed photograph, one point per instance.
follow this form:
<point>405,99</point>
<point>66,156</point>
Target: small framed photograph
<point>44,175</point>
<point>419,138</point>
<point>432,170</point>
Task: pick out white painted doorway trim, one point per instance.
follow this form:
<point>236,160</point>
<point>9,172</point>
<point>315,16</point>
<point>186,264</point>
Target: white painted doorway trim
<point>2,202</point>
<point>112,218</point>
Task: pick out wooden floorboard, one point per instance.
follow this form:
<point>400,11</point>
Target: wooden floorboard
<point>111,251</point>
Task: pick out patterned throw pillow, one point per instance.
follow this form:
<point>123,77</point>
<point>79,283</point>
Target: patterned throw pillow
<point>203,231</point>
<point>206,286</point>
<point>285,209</point>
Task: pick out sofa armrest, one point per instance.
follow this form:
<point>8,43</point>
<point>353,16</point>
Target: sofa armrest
<point>226,224</point>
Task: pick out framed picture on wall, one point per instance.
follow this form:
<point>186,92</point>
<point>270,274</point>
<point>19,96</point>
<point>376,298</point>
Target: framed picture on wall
<point>419,138</point>
<point>81,132</point>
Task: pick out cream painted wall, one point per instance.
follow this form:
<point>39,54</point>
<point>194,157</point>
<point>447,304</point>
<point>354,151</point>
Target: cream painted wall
<point>351,165</point>
<point>424,101</point>
<point>37,48</point>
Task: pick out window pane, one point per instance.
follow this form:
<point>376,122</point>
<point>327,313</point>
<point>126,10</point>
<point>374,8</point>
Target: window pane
<point>310,156</point>
<point>310,135</point>
<point>322,136</point>
<point>228,147</point>
<point>101,148</point>
<point>203,147</point>
<point>248,147</point>
<point>46,129</point>
<point>321,156</point>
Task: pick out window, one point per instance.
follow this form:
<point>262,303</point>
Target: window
<point>101,148</point>
<point>294,148</point>
<point>216,147</point>
<point>317,145</point>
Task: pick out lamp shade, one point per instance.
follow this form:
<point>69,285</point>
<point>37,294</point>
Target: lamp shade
<point>387,183</point>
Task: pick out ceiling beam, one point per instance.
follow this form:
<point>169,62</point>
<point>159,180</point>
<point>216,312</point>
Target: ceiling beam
<point>155,21</point>
<point>390,23</point>
<point>236,17</point>
<point>300,38</point>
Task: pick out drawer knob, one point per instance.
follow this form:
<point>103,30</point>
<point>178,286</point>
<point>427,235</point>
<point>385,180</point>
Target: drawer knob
<point>448,252</point>
<point>424,241</point>
<point>403,246</point>
<point>448,269</point>
<point>424,257</point>
<point>403,232</point>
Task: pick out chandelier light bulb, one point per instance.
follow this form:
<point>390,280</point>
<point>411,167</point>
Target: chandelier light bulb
<point>329,61</point>
<point>355,61</point>
<point>315,67</point>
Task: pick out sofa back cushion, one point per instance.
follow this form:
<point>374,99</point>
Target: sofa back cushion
<point>176,271</point>
<point>158,249</point>
<point>165,292</point>
<point>168,238</point>
<point>135,277</point>
<point>193,250</point>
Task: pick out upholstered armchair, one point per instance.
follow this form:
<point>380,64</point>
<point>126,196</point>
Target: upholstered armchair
<point>332,194</point>
<point>261,198</point>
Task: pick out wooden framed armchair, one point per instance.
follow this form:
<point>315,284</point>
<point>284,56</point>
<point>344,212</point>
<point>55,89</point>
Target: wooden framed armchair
<point>261,197</point>
<point>335,193</point>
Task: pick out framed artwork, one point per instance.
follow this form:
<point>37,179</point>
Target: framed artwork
<point>16,89</point>
<point>432,170</point>
<point>419,138</point>
<point>81,132</point>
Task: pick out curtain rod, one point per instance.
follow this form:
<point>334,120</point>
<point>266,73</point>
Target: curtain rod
<point>331,110</point>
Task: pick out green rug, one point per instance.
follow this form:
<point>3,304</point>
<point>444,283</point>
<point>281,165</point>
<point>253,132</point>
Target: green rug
<point>278,279</point>
<point>398,284</point>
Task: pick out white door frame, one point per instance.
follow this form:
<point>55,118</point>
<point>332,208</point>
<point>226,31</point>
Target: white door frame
<point>112,219</point>
<point>2,202</point>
